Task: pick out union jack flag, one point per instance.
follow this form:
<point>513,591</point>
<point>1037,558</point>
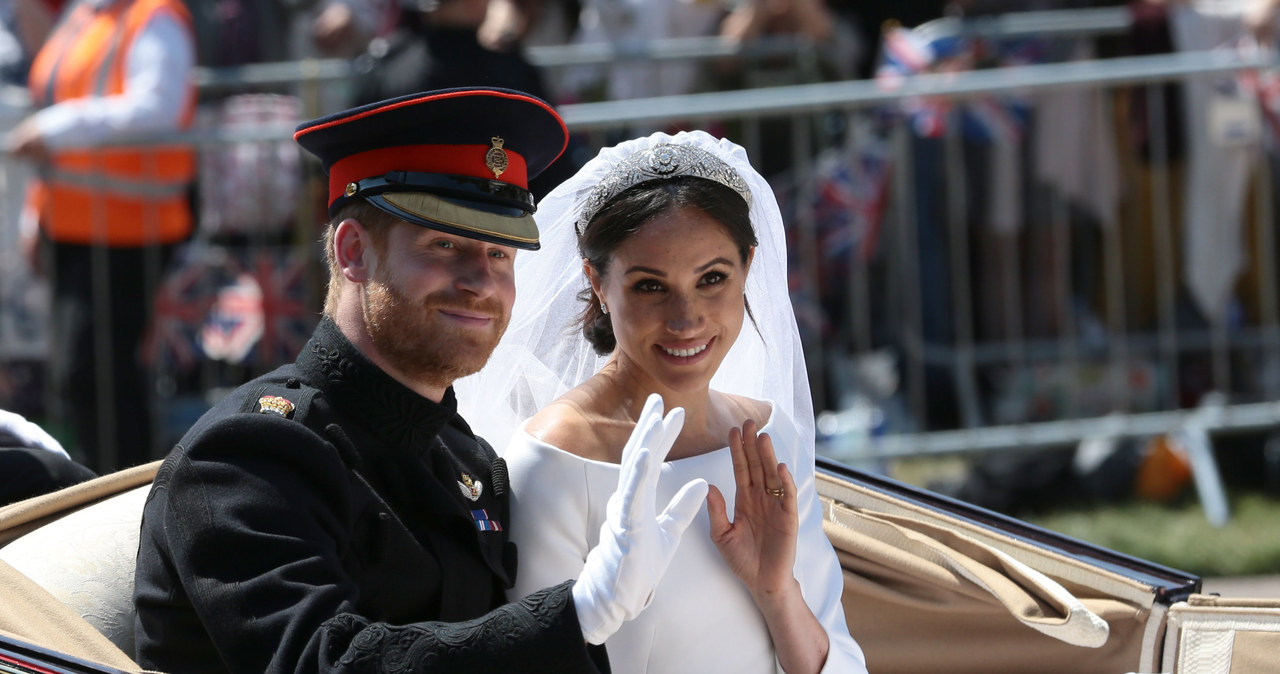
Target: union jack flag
<point>287,305</point>
<point>181,302</point>
<point>905,53</point>
<point>234,324</point>
<point>244,307</point>
<point>1262,85</point>
<point>847,202</point>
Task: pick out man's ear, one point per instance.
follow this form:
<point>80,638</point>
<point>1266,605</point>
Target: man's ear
<point>353,251</point>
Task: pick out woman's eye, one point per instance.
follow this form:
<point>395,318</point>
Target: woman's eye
<point>648,286</point>
<point>714,278</point>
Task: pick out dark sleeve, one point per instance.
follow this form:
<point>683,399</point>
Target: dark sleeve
<point>540,633</point>
<point>255,519</point>
<point>26,472</point>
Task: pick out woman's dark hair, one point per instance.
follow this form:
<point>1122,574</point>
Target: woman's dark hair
<point>630,211</point>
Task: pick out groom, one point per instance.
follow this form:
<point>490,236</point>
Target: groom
<point>337,515</point>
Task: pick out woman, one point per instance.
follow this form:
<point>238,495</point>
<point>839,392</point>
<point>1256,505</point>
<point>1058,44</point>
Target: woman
<point>659,237</point>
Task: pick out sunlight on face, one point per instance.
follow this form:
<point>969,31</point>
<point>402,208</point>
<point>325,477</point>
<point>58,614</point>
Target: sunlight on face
<point>675,296</point>
<point>438,304</point>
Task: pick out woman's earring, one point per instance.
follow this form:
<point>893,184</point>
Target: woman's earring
<point>604,308</point>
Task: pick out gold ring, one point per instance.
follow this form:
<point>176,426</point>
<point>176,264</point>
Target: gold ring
<point>779,492</point>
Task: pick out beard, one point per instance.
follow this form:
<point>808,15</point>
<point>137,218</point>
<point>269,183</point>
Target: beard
<point>414,339</point>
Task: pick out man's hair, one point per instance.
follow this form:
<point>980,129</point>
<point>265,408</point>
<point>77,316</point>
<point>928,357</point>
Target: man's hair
<point>375,221</point>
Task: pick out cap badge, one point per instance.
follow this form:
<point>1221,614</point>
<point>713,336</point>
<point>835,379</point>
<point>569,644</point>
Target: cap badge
<point>351,190</point>
<point>470,488</point>
<point>496,158</point>
<point>275,405</point>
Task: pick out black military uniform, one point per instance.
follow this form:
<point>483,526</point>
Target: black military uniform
<point>325,517</point>
<point>319,515</point>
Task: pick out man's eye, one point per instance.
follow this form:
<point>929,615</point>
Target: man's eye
<point>500,254</point>
<point>445,243</point>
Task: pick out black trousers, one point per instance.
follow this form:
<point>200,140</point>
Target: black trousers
<point>102,300</point>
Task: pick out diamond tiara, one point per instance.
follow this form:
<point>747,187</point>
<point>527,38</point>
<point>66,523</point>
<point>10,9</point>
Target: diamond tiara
<point>660,162</point>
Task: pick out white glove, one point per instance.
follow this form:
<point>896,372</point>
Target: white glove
<point>636,544</point>
<point>28,434</point>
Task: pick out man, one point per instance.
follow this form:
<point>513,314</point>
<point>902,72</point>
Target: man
<point>337,514</point>
<point>108,217</point>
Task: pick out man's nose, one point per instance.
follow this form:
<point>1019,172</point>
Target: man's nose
<point>474,274</point>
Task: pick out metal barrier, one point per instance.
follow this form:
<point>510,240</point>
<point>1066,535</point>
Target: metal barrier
<point>942,347</point>
<point>932,344</point>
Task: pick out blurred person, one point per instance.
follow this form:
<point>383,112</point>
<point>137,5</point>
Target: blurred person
<point>102,222</point>
<point>751,19</point>
<point>26,24</point>
<point>811,22</point>
<point>338,514</point>
<point>631,24</point>
<point>441,48</point>
<point>343,28</point>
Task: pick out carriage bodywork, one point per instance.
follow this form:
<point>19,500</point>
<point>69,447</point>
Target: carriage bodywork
<point>931,584</point>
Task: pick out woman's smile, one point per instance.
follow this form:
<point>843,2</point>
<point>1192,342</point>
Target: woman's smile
<point>685,354</point>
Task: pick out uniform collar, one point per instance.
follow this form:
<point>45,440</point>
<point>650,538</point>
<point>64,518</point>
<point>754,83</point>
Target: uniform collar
<point>387,408</point>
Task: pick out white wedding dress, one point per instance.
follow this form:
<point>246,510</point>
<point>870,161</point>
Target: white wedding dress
<point>702,618</point>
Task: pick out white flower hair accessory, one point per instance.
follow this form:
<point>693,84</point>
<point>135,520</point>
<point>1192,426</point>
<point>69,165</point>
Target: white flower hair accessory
<point>664,161</point>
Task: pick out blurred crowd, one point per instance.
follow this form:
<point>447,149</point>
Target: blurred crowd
<point>128,333</point>
<point>230,288</point>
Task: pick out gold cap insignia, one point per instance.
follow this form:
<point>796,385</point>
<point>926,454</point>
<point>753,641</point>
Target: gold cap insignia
<point>351,190</point>
<point>275,405</point>
<point>470,488</point>
<point>496,157</point>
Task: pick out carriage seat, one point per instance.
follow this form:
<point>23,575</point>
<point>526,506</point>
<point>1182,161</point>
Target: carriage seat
<point>86,559</point>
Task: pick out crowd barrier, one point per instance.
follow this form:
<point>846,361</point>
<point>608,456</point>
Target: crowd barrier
<point>983,260</point>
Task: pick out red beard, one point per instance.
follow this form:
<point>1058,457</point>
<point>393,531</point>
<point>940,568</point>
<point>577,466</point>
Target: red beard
<point>417,341</point>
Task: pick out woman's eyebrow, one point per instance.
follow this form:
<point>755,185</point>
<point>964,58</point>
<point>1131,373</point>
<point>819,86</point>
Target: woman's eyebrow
<point>658,272</point>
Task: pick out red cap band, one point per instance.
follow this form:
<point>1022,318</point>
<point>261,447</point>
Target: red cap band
<point>464,160</point>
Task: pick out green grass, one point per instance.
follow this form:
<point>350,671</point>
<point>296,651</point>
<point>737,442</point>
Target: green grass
<point>1175,535</point>
<point>1179,536</point>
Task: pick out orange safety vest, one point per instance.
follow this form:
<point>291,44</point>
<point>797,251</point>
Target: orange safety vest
<point>112,196</point>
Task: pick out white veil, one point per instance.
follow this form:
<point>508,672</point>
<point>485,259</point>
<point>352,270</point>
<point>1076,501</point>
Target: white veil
<point>543,353</point>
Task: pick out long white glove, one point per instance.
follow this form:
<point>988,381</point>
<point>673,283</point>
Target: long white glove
<point>636,544</point>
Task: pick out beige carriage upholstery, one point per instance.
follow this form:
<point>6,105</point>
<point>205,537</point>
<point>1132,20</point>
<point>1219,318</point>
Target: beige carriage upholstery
<point>79,546</point>
<point>1217,635</point>
<point>926,591</point>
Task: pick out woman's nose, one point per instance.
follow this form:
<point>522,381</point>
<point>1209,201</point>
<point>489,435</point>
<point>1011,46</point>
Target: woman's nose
<point>686,315</point>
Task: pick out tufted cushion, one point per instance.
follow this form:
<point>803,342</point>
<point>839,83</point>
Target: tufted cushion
<point>86,559</point>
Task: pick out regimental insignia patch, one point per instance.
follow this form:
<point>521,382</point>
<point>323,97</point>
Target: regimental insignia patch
<point>483,523</point>
<point>275,405</point>
<point>470,488</point>
<point>496,157</point>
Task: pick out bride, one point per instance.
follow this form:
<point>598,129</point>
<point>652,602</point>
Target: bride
<point>664,271</point>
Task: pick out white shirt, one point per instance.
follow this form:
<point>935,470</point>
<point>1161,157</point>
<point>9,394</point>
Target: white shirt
<point>157,67</point>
